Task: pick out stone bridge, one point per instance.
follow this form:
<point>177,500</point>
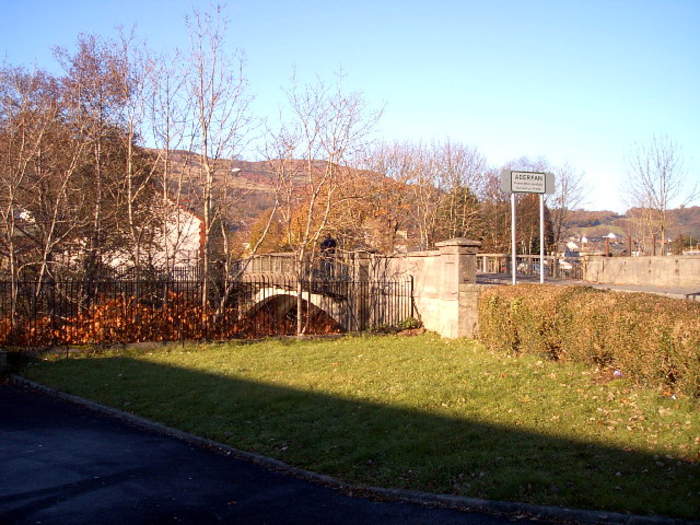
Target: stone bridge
<point>354,305</point>
<point>279,296</point>
<point>443,282</point>
<point>361,290</point>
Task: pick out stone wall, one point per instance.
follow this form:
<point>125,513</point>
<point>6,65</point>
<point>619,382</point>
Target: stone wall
<point>680,271</point>
<point>445,290</point>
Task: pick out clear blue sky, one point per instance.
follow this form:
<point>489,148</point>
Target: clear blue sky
<point>571,81</point>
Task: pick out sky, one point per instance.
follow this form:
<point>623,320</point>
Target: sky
<point>573,82</point>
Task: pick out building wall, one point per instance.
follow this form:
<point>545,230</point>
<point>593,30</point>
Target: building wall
<point>181,239</point>
<point>680,271</point>
<point>176,244</point>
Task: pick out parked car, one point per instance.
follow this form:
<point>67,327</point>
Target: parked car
<point>565,265</point>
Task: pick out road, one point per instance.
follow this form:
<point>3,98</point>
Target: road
<point>64,464</point>
<point>676,292</point>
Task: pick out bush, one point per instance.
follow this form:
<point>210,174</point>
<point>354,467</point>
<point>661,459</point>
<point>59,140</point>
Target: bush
<point>127,320</point>
<point>653,340</point>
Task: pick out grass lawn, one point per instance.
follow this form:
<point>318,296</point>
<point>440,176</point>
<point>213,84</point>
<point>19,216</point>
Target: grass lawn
<point>420,413</point>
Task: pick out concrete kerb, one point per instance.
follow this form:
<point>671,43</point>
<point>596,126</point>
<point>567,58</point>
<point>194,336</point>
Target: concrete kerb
<point>504,508</point>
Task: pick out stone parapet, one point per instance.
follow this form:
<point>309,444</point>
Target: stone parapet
<point>445,292</point>
<point>680,270</point>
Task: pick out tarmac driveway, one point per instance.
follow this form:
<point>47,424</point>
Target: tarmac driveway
<point>61,463</point>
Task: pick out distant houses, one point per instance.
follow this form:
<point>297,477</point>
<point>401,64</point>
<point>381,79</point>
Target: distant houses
<point>580,245</point>
<point>615,244</point>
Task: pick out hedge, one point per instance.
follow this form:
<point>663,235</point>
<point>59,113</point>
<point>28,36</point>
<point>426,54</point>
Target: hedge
<point>126,320</point>
<point>653,340</point>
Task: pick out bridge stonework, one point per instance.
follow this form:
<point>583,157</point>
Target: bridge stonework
<point>445,291</point>
<point>678,271</point>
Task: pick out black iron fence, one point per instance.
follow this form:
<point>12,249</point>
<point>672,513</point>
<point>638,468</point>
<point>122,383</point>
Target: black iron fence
<point>112,311</point>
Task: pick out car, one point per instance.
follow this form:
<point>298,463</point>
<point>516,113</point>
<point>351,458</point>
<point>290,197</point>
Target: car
<point>565,265</point>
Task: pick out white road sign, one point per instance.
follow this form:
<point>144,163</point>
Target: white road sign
<point>527,182</point>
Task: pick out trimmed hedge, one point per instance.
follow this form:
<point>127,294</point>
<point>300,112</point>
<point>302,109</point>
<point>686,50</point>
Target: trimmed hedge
<point>653,340</point>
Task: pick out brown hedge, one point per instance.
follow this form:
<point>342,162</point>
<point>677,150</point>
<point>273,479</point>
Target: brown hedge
<point>653,340</point>
<point>126,320</point>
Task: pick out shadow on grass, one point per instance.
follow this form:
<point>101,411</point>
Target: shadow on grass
<point>369,443</point>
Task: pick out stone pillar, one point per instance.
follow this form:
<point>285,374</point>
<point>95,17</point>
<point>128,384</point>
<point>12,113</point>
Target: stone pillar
<point>461,253</point>
<point>458,287</point>
<point>361,266</point>
<point>362,315</point>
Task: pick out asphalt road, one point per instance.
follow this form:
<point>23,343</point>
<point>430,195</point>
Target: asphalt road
<point>63,464</point>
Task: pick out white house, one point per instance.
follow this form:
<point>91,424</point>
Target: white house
<point>181,239</point>
<point>176,244</point>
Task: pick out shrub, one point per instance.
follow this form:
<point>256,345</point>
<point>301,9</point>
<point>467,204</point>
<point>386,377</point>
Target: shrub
<point>653,340</point>
<point>127,320</point>
<point>409,323</point>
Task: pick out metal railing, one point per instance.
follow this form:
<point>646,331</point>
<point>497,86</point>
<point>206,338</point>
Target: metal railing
<point>114,311</point>
<point>564,268</point>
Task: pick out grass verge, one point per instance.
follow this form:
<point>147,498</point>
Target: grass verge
<point>419,413</point>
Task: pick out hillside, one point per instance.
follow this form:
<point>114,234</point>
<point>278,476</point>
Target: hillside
<point>685,221</point>
<point>255,184</point>
<point>688,220</point>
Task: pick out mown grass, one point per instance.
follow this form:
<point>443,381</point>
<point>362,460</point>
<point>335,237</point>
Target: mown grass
<point>421,413</point>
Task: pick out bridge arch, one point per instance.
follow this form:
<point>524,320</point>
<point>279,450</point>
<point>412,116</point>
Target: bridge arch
<point>280,304</point>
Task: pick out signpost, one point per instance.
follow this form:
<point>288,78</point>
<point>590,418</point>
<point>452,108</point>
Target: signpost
<point>526,182</point>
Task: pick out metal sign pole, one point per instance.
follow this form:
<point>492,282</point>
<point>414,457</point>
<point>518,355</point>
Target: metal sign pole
<point>526,182</point>
<point>512,235</point>
<point>541,238</point>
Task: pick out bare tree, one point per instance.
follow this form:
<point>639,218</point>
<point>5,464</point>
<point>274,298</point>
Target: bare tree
<point>27,111</point>
<point>216,87</point>
<point>373,211</point>
<point>442,182</point>
<point>656,182</point>
<point>42,155</point>
<point>412,167</point>
<point>310,155</point>
<point>568,196</point>
<point>52,198</point>
<point>134,82</point>
<point>495,214</point>
<point>170,127</point>
<point>93,98</point>
<point>460,170</point>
